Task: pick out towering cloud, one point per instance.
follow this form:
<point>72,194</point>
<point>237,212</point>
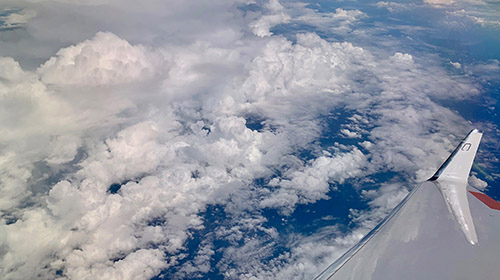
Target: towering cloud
<point>103,60</point>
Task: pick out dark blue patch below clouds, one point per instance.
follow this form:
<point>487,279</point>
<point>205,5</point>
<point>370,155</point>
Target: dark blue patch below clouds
<point>114,188</point>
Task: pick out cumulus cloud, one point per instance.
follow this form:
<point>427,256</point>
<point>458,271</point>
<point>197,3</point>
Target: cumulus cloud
<point>312,183</point>
<point>395,6</point>
<point>477,183</point>
<point>341,21</point>
<point>29,115</point>
<point>104,60</point>
<point>457,65</point>
<point>350,134</point>
<point>10,69</point>
<point>274,13</point>
<point>340,15</point>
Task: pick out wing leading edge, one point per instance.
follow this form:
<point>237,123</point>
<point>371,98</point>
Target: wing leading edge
<point>423,237</point>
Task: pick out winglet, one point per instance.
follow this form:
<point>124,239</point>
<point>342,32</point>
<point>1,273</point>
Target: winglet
<point>459,163</point>
<point>451,179</point>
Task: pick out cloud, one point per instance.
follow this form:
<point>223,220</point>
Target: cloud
<point>29,115</point>
<point>477,183</point>
<point>341,21</point>
<point>312,183</point>
<point>439,2</point>
<point>462,19</point>
<point>274,14</point>
<point>488,70</point>
<point>13,18</point>
<point>22,258</point>
<point>103,60</point>
<point>340,15</point>
<point>10,69</point>
<point>350,134</point>
<point>395,6</point>
<point>457,65</point>
<point>466,15</point>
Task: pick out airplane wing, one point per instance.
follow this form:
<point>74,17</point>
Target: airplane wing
<point>441,230</point>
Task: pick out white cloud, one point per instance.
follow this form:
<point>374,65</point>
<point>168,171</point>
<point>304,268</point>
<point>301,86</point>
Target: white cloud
<point>461,19</point>
<point>315,18</point>
<point>340,21</point>
<point>350,134</point>
<point>10,69</point>
<point>103,60</point>
<point>274,15</point>
<point>312,183</point>
<point>402,58</point>
<point>477,183</point>
<point>466,14</point>
<point>29,114</point>
<point>439,2</point>
<point>395,6</point>
<point>457,65</point>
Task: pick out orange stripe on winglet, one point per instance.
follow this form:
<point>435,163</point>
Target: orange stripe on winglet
<point>490,202</point>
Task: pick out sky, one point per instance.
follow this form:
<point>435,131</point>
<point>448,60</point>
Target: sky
<point>196,139</point>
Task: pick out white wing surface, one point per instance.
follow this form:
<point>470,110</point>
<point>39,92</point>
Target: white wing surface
<point>439,231</point>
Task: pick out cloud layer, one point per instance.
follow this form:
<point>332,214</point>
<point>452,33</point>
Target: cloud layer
<point>115,146</point>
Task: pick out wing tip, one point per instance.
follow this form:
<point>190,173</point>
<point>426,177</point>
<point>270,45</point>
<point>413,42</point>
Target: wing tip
<point>453,154</point>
